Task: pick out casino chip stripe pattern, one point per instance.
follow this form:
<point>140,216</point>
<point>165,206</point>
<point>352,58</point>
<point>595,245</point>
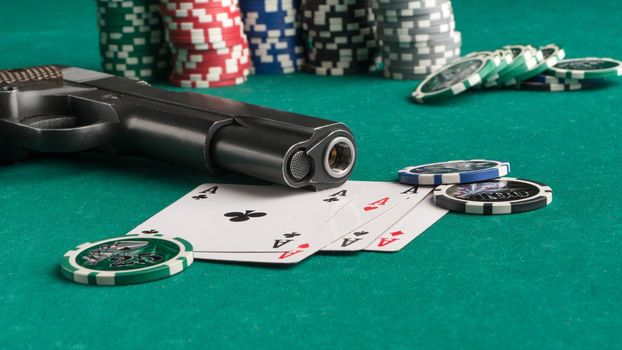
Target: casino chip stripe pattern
<point>273,31</point>
<point>339,37</point>
<point>499,196</point>
<point>417,37</point>
<point>208,43</point>
<point>129,259</point>
<point>453,172</point>
<point>131,39</point>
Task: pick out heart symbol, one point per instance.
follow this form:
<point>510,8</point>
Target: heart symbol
<point>397,233</point>
<point>370,208</point>
<point>304,246</point>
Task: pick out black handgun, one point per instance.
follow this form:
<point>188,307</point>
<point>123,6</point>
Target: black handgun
<point>55,109</point>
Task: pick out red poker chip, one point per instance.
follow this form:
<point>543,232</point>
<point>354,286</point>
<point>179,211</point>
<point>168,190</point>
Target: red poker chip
<point>195,60</point>
<point>200,16</point>
<point>192,3</point>
<point>195,44</point>
<point>186,6</point>
<point>215,77</point>
<point>205,37</point>
<point>185,53</point>
<point>230,67</point>
<point>229,33</point>
<point>201,24</point>
<point>202,44</point>
<point>209,32</point>
<point>206,84</point>
<point>189,7</point>
<point>205,43</point>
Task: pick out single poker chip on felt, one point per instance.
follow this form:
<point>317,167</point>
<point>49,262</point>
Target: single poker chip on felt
<point>587,68</point>
<point>454,79</point>
<point>129,259</point>
<point>499,196</point>
<point>454,172</point>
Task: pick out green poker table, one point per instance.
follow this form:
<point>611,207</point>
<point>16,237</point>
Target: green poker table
<point>546,279</point>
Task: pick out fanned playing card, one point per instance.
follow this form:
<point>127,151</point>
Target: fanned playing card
<point>245,218</point>
<point>374,199</point>
<point>419,219</point>
<point>366,234</point>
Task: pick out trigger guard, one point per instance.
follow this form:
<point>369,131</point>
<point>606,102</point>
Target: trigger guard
<point>76,139</point>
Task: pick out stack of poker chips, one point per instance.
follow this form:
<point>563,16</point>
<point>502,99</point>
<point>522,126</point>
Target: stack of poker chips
<point>339,36</point>
<point>131,40</point>
<point>417,36</point>
<point>273,32</point>
<point>207,41</point>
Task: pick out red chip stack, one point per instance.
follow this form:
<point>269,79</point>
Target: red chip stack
<point>207,41</point>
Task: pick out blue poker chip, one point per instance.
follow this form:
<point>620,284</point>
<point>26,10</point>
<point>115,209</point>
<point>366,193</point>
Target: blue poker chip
<point>454,172</point>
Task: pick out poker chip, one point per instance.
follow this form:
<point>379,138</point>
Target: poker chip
<point>544,78</point>
<point>552,87</point>
<point>501,58</point>
<point>135,258</point>
<point>131,39</point>
<point>587,68</point>
<point>453,172</point>
<point>339,37</point>
<point>454,79</point>
<point>417,37</point>
<point>273,31</point>
<point>524,58</point>
<point>551,55</point>
<point>519,67</point>
<point>498,196</point>
<point>207,41</point>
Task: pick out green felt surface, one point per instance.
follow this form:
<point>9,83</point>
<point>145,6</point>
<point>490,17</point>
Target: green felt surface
<point>548,279</point>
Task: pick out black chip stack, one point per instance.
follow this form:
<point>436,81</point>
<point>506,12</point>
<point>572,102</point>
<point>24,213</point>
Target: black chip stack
<point>417,36</point>
<point>339,37</point>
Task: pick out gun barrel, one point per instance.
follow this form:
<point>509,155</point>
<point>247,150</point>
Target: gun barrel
<point>193,130</point>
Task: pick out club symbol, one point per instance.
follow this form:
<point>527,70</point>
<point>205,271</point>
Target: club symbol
<point>237,216</point>
<point>360,233</point>
<point>200,196</point>
<point>150,231</point>
<point>331,199</point>
<point>291,235</point>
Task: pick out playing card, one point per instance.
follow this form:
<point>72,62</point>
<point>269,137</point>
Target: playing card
<point>419,219</point>
<point>366,234</point>
<point>243,218</point>
<point>375,199</point>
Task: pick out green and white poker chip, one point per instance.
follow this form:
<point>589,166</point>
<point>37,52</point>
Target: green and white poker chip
<point>530,58</point>
<point>587,68</point>
<point>454,79</point>
<point>522,55</point>
<point>551,55</point>
<point>136,258</point>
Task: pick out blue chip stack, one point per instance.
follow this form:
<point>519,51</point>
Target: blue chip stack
<point>273,32</point>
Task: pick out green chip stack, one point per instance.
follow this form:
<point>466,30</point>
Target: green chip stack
<point>131,39</point>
